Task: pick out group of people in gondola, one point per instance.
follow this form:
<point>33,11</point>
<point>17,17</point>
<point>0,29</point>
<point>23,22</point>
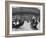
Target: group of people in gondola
<point>19,22</point>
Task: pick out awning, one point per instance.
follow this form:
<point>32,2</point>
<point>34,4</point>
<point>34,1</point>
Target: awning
<point>25,10</point>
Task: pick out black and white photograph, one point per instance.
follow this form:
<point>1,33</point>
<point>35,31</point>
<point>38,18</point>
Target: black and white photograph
<point>25,18</point>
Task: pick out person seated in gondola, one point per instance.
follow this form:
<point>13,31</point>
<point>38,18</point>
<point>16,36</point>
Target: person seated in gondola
<point>17,23</point>
<point>34,23</point>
